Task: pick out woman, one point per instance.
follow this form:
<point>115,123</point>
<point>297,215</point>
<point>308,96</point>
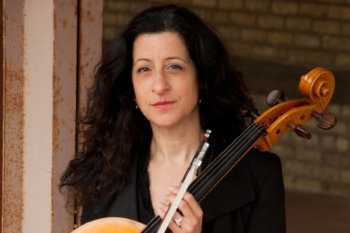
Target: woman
<point>167,78</point>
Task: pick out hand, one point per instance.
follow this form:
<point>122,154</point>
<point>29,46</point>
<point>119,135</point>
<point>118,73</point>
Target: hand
<point>191,217</point>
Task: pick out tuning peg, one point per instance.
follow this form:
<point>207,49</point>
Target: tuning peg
<point>275,97</point>
<point>325,120</point>
<point>300,131</point>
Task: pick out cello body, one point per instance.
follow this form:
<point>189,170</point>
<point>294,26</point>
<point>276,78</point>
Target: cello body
<point>111,225</point>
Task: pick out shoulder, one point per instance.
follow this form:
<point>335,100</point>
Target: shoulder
<point>263,157</point>
<point>258,161</point>
<point>265,167</point>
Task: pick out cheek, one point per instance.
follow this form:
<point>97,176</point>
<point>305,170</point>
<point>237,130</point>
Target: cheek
<point>191,91</point>
<point>141,98</point>
<point>138,96</point>
<point>137,89</point>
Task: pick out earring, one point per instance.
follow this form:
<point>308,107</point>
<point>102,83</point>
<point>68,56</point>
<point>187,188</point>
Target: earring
<point>136,106</point>
<point>199,101</point>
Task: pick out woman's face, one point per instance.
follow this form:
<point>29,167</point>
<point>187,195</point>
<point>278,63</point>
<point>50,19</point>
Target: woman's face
<point>164,79</point>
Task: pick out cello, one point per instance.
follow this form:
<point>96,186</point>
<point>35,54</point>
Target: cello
<point>317,86</point>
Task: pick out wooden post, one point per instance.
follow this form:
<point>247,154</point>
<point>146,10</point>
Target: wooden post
<point>50,49</point>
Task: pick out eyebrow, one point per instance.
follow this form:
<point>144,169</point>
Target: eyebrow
<point>168,58</point>
<point>179,58</point>
<point>141,59</point>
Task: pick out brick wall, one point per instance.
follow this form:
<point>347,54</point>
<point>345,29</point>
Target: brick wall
<point>274,42</point>
<point>314,32</point>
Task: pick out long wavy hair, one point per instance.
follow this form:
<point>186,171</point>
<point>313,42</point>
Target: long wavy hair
<point>113,129</point>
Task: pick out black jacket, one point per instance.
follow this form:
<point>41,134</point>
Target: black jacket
<point>250,199</point>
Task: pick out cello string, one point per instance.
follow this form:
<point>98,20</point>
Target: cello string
<point>236,141</point>
<point>223,164</point>
<point>220,157</point>
<point>212,179</point>
<point>229,157</point>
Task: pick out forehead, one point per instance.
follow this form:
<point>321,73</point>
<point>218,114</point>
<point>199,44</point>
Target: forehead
<point>163,43</point>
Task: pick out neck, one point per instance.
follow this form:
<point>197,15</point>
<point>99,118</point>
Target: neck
<point>177,144</point>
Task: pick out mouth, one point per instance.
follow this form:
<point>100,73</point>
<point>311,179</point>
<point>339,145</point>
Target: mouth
<point>163,104</point>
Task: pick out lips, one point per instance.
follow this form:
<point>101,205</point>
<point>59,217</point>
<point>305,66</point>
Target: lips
<point>163,104</point>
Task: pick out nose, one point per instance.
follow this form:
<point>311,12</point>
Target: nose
<point>160,83</point>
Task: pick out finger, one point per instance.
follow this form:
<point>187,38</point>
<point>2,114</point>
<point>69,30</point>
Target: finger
<point>176,222</point>
<point>161,210</point>
<point>174,227</point>
<point>177,218</point>
<point>173,189</point>
<point>191,210</point>
<point>187,197</point>
<point>187,225</point>
<point>164,205</point>
<point>194,205</point>
<point>167,200</point>
<point>190,206</point>
<point>192,214</point>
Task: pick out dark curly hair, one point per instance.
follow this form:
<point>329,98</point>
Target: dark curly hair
<point>113,128</point>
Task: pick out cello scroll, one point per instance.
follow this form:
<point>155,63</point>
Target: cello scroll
<point>318,88</point>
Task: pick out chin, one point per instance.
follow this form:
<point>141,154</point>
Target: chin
<point>164,122</point>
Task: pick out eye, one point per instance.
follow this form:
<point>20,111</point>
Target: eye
<point>143,69</point>
<point>174,67</point>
